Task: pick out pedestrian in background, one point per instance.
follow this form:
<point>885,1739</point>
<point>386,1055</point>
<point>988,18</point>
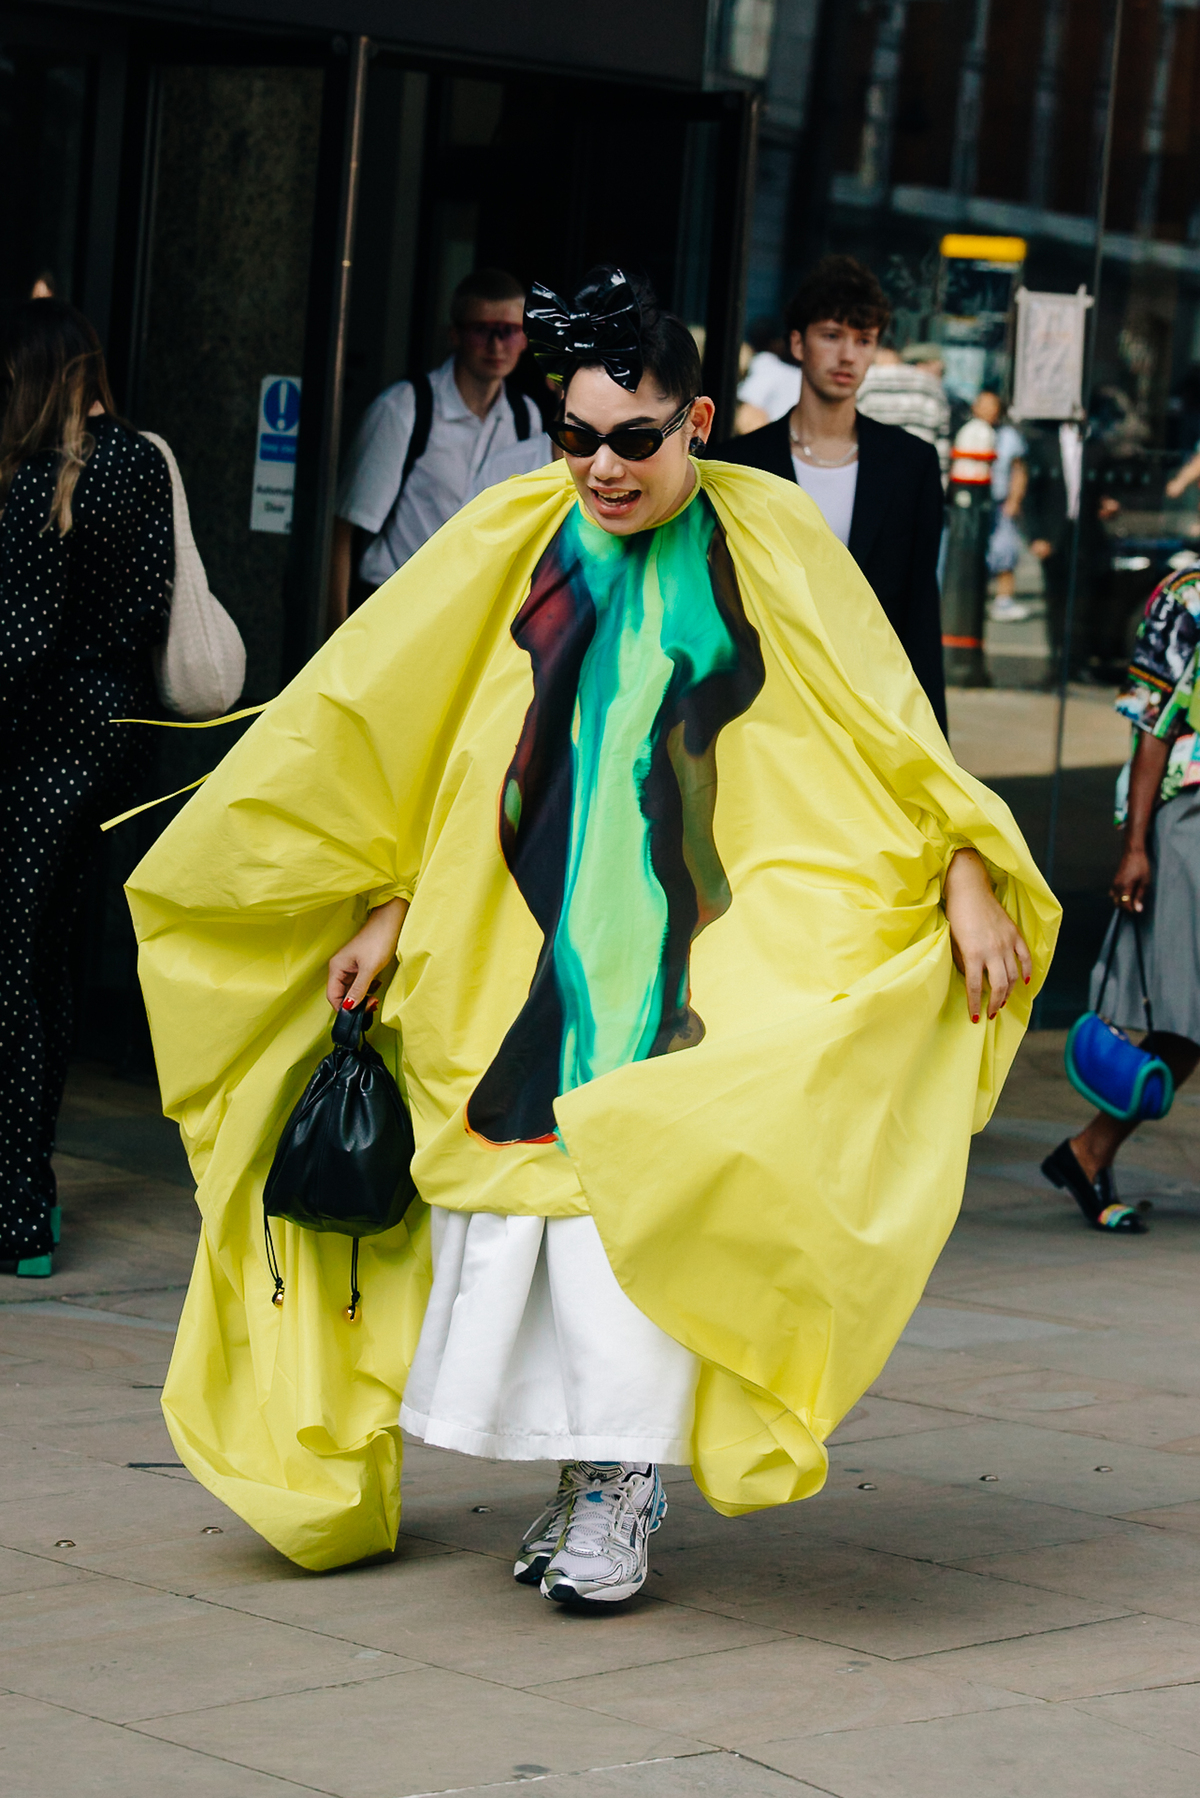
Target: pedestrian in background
<point>968,528</point>
<point>771,385</point>
<point>906,390</point>
<point>1157,883</point>
<point>87,558</point>
<point>879,488</point>
<point>1010,477</point>
<point>1054,500</point>
<point>424,447</point>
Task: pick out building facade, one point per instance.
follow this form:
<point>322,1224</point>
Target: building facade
<point>269,202</point>
<point>1068,127</point>
<point>277,196</point>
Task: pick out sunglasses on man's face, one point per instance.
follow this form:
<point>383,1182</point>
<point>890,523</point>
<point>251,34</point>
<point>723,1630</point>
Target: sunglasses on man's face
<point>629,443</point>
<point>482,332</point>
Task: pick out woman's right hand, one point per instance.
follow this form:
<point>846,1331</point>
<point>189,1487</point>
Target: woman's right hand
<point>354,971</point>
<point>1132,880</point>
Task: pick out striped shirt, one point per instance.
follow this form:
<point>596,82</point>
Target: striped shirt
<point>898,394</point>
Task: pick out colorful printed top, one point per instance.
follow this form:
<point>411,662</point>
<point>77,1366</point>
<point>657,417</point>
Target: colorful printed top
<point>641,653</point>
<point>1162,675</point>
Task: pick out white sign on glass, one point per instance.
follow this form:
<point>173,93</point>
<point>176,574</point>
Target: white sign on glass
<point>1048,376</point>
<point>275,454</point>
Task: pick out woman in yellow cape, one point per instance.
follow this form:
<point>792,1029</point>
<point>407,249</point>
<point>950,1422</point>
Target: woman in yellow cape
<point>632,752</point>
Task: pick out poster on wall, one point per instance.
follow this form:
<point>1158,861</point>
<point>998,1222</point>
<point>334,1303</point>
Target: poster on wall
<point>275,454</point>
<point>1048,372</point>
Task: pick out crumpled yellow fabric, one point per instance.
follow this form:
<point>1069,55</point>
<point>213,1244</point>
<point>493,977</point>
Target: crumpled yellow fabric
<point>774,1198</point>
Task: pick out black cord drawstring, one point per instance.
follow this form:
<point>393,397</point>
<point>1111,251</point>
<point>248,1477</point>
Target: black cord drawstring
<point>355,1294</point>
<point>272,1263</point>
<point>352,1309</point>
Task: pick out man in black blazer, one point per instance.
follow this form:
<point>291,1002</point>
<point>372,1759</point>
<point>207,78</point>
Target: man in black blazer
<point>1065,483</point>
<point>879,487</point>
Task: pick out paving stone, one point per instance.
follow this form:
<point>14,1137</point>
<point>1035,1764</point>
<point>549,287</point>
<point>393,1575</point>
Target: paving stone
<point>430,1730</point>
<point>112,1508</point>
<point>1034,1751</point>
<point>50,1752</point>
<point>875,1417</point>
<point>888,1605</point>
<point>466,1612</point>
<point>1151,1570</point>
<point>904,1516</point>
<point>1046,1465</point>
<point>1170,1517</point>
<point>1130,1654</point>
<point>941,1326</point>
<point>145,1656</point>
<point>744,1697</point>
<point>685,1776</point>
<point>28,1573</point>
<point>939,1634</point>
<point>1170,1715</point>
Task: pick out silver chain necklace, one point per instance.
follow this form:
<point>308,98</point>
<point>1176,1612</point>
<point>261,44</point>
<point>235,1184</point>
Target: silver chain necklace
<point>820,461</point>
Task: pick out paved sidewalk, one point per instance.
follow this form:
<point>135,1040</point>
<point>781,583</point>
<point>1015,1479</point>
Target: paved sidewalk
<point>998,1593</point>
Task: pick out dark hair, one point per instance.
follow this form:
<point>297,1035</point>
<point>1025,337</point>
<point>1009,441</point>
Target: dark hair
<point>492,284</point>
<point>669,351</point>
<point>761,333</point>
<point>53,373</point>
<point>840,288</point>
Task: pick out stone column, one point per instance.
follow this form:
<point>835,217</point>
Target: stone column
<point>964,160</point>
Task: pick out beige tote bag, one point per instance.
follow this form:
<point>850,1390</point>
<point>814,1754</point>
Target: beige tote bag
<point>201,668</point>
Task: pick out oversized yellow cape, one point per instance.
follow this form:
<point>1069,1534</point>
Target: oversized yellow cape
<point>774,1198</point>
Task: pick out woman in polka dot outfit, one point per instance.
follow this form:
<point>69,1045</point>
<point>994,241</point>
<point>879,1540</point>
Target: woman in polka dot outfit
<point>86,561</point>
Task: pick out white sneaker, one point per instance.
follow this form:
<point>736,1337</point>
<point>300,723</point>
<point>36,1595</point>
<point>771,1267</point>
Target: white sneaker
<point>545,1532</point>
<point>603,1556</point>
<point>1006,610</point>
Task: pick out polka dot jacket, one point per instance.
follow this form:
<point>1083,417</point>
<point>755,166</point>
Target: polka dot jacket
<point>79,616</point>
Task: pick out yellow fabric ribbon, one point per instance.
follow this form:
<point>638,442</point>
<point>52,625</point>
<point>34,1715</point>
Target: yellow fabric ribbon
<point>148,805</point>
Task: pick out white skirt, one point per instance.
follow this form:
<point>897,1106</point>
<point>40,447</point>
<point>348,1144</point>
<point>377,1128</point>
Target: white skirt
<point>530,1351</point>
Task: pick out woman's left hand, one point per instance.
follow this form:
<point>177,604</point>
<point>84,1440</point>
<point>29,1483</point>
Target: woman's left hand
<point>983,938</point>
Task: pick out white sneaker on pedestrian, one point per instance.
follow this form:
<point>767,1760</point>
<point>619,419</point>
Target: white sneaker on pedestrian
<point>603,1556</point>
<point>1006,610</point>
<point>545,1532</point>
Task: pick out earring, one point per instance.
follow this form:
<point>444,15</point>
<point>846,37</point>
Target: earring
<point>695,444</point>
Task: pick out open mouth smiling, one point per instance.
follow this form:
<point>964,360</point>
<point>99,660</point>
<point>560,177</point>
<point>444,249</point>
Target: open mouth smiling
<point>614,502</point>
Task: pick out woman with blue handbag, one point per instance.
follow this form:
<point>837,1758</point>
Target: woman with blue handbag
<point>1148,973</point>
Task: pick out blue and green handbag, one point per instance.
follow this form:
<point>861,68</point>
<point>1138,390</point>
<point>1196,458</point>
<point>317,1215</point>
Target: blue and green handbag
<point>1109,1070</point>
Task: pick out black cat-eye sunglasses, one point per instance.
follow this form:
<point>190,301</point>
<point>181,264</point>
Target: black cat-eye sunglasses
<point>631,443</point>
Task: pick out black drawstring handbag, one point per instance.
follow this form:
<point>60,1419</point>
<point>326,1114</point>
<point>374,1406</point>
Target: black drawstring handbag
<point>345,1157</point>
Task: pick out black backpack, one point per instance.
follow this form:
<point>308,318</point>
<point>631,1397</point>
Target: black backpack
<point>423,422</point>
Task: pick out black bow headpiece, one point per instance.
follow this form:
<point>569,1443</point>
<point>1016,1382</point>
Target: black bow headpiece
<point>603,323</point>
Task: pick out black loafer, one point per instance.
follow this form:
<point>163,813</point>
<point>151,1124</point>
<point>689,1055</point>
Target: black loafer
<point>1097,1198</point>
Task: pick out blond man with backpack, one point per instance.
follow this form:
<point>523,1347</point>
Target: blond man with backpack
<point>425,446</point>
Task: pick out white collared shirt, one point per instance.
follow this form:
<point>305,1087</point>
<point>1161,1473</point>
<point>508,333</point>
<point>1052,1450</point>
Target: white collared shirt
<point>771,384</point>
<point>1070,444</point>
<point>451,469</point>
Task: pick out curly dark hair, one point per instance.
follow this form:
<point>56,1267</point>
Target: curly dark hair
<point>841,288</point>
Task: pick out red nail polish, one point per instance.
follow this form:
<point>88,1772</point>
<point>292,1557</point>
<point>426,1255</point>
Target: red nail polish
<point>974,1017</point>
<point>1028,978</point>
<point>347,1004</point>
